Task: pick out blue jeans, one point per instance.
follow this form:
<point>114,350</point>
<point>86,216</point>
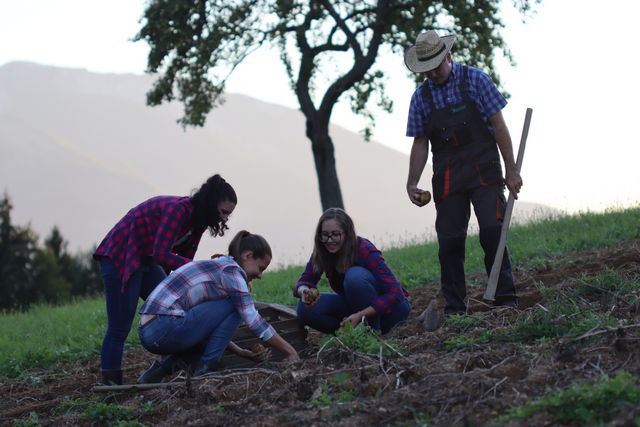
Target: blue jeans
<point>360,289</point>
<point>121,306</point>
<point>203,333</point>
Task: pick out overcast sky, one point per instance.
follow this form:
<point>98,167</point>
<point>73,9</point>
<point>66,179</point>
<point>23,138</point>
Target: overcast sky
<point>575,63</point>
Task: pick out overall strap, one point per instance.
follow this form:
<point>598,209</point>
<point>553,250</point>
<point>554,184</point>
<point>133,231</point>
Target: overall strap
<point>428,96</point>
<point>464,87</point>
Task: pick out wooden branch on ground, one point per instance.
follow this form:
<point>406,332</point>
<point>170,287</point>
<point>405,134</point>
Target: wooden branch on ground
<point>237,373</point>
<point>605,331</point>
<point>589,285</point>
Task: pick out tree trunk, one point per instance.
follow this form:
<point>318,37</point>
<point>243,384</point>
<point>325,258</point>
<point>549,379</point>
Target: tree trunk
<point>323,156</point>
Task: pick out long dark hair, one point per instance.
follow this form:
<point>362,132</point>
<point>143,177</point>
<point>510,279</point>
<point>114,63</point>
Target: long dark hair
<point>205,202</point>
<point>245,241</point>
<point>323,260</point>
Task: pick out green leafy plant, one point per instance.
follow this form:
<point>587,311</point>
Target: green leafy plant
<point>31,421</point>
<point>360,339</point>
<point>107,413</point>
<point>73,405</point>
<point>462,322</point>
<point>584,404</point>
<point>326,400</point>
<point>460,343</point>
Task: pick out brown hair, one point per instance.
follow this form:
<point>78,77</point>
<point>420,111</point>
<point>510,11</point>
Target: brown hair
<point>245,241</point>
<point>323,260</point>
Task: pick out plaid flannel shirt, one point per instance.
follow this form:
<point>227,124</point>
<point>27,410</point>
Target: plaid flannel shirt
<point>207,280</point>
<point>481,90</point>
<point>158,230</point>
<point>369,257</point>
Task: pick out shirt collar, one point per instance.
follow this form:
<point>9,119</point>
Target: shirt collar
<point>225,260</point>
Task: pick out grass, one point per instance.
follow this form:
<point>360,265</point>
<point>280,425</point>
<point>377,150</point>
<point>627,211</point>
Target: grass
<point>567,314</point>
<point>44,335</point>
<point>584,404</point>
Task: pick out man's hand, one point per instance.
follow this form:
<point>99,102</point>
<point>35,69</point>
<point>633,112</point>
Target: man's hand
<point>513,180</point>
<point>414,192</point>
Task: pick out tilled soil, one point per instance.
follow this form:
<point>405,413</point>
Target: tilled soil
<point>426,384</point>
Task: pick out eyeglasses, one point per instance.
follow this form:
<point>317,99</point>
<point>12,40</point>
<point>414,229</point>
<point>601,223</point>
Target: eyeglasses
<point>334,236</point>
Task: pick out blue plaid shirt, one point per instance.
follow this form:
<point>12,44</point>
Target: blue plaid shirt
<point>207,280</point>
<point>481,90</point>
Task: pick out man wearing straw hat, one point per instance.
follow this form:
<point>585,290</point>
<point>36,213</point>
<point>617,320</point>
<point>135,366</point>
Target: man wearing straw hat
<point>458,110</point>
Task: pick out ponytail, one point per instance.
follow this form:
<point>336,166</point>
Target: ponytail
<point>245,241</point>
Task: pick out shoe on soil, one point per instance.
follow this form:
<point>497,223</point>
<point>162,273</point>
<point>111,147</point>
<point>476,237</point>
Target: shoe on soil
<point>154,374</point>
<point>112,376</point>
<point>204,368</point>
<point>507,302</point>
<point>431,318</point>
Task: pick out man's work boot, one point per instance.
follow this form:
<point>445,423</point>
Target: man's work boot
<point>112,376</point>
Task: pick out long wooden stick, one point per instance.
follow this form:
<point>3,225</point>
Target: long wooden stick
<point>221,376</point>
<point>497,262</point>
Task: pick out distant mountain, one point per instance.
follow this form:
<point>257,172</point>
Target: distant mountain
<point>78,149</point>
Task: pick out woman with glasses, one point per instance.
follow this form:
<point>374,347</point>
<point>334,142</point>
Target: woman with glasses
<point>365,288</point>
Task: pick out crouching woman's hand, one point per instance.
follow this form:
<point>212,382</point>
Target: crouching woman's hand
<point>291,355</point>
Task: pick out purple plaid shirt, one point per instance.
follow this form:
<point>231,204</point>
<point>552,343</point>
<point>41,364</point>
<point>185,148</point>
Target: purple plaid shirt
<point>207,280</point>
<point>369,257</point>
<point>158,230</point>
<point>481,90</point>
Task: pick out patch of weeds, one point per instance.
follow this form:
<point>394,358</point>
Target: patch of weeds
<point>561,319</point>
<point>463,342</point>
<point>547,292</point>
<point>30,421</point>
<point>340,378</point>
<point>68,406</point>
<point>108,413</point>
<point>459,343</point>
<point>462,322</point>
<point>322,401</point>
<point>99,412</point>
<point>147,409</point>
<point>583,404</point>
<point>543,262</point>
<point>345,394</point>
<point>608,281</point>
<point>361,339</point>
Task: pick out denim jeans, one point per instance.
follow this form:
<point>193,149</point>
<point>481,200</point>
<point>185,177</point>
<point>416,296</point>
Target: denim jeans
<point>121,306</point>
<point>360,289</point>
<point>202,334</point>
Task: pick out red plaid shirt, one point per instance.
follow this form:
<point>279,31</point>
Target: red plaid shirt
<point>369,257</point>
<point>158,231</point>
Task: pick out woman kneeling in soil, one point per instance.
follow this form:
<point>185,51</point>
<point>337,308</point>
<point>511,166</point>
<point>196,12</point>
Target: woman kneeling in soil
<point>193,314</point>
<point>364,285</point>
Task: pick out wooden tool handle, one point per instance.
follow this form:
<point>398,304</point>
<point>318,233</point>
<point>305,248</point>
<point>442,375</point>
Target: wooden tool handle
<point>490,292</point>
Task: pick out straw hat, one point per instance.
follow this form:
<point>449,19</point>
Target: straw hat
<point>428,52</point>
